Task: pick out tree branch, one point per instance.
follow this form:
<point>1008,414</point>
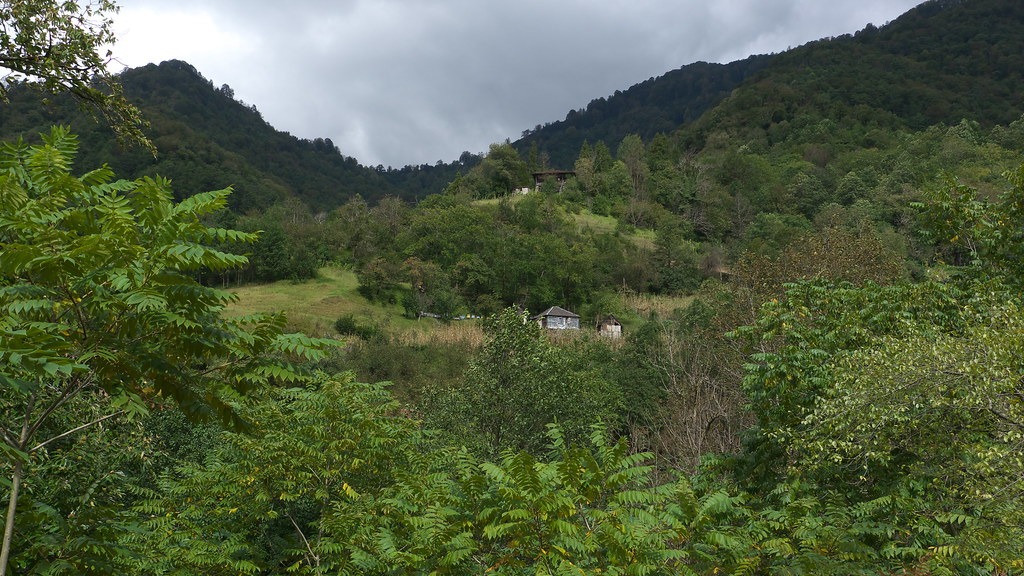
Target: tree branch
<point>1016,424</point>
<point>312,555</point>
<point>77,429</point>
<point>68,393</point>
<point>8,439</point>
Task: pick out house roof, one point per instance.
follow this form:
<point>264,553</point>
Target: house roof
<point>610,319</point>
<point>557,312</point>
<point>554,173</point>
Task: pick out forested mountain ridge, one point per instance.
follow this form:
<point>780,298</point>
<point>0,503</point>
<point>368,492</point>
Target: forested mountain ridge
<point>176,93</point>
<point>656,105</point>
<point>207,140</point>
<point>942,62</point>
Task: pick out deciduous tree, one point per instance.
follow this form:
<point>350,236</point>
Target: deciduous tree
<point>62,46</point>
<point>517,385</point>
<point>98,301</point>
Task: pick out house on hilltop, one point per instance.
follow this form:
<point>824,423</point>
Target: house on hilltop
<point>559,176</point>
<point>557,318</point>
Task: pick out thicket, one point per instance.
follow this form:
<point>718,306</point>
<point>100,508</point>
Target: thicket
<point>651,218</point>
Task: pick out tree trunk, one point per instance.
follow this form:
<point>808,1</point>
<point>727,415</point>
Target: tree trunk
<point>19,471</point>
<point>12,505</point>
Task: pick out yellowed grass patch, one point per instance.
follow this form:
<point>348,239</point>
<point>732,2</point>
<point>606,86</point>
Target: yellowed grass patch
<point>457,333</point>
<point>644,304</point>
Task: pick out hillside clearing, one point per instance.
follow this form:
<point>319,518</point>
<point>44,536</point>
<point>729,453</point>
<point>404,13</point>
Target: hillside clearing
<point>312,306</point>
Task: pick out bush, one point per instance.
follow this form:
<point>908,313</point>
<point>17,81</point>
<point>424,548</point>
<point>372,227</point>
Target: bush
<point>348,326</point>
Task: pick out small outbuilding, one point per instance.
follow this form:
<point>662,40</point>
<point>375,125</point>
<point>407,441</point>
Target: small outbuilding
<point>557,318</point>
<point>609,326</point>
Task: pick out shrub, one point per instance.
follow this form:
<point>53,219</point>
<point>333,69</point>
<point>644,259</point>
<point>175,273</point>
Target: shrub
<point>347,325</point>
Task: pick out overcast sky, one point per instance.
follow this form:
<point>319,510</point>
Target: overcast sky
<point>399,82</point>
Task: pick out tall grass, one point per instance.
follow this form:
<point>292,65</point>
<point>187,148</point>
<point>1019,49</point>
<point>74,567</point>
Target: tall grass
<point>468,333</point>
<point>643,305</point>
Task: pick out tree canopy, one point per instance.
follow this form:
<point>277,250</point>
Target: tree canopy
<point>63,46</point>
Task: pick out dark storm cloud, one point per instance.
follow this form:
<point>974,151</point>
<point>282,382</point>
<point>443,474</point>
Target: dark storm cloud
<point>414,81</point>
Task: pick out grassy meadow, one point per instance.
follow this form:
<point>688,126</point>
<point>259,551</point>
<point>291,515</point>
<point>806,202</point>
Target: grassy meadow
<point>312,306</point>
<point>586,219</point>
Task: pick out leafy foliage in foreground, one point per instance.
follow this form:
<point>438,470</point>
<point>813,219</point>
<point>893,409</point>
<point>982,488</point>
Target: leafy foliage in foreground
<point>334,483</point>
<point>102,319</point>
<point>60,46</point>
<point>903,399</point>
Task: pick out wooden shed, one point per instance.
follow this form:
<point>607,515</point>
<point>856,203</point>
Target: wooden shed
<point>609,326</point>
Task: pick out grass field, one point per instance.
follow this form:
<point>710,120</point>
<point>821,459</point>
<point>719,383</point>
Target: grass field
<point>312,306</point>
<point>642,237</point>
<point>642,305</point>
<point>586,219</point>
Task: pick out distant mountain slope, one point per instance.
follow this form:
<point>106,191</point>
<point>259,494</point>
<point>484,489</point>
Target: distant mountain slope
<point>970,53</point>
<point>206,140</point>
<point>941,62</point>
<point>315,171</point>
<point>657,105</point>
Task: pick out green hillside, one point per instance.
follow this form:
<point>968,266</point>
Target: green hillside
<point>939,63</point>
<point>942,62</point>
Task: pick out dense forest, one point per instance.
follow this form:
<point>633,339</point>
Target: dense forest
<point>832,384</point>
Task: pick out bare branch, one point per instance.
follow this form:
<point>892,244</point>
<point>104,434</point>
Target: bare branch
<point>316,559</point>
<point>77,429</point>
<point>68,393</point>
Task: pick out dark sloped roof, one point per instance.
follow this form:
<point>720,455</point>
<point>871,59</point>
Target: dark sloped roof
<point>554,173</point>
<point>557,312</point>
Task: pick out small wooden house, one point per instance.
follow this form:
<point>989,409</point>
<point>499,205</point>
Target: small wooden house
<point>609,326</point>
<point>557,318</point>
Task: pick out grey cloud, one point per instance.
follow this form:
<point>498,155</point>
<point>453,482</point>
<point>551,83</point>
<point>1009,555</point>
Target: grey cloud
<point>410,81</point>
